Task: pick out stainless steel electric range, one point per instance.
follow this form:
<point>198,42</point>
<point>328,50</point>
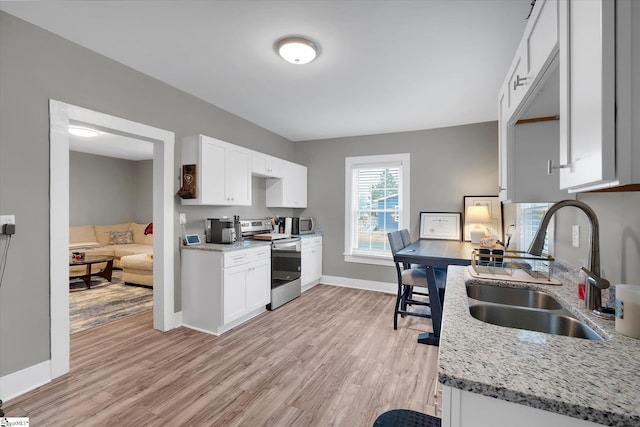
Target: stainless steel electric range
<point>286,254</point>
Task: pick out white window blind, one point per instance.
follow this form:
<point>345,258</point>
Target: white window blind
<point>376,203</point>
<point>529,217</point>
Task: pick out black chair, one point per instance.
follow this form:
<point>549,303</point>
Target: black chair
<point>406,237</point>
<point>440,272</point>
<point>408,279</point>
<point>406,418</point>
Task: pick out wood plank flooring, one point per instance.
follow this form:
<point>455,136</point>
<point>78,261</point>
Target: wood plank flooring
<point>328,358</point>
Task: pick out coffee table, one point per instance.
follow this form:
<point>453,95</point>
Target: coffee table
<point>89,261</point>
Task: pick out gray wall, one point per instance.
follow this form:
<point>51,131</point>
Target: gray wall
<point>446,164</point>
<point>143,199</point>
<point>258,209</point>
<point>106,190</point>
<point>35,66</point>
<point>619,219</point>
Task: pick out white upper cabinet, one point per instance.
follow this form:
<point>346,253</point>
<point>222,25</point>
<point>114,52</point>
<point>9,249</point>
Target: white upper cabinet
<point>223,171</point>
<point>266,166</point>
<point>503,185</point>
<point>598,142</point>
<point>592,39</point>
<point>290,191</point>
<point>536,51</point>
<point>528,106</point>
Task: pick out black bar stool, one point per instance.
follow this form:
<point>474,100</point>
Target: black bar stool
<point>406,418</point>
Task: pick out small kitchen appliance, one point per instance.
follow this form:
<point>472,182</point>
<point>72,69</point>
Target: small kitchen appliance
<point>220,230</point>
<point>303,225</point>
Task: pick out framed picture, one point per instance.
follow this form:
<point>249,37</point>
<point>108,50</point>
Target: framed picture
<point>441,225</point>
<point>495,214</point>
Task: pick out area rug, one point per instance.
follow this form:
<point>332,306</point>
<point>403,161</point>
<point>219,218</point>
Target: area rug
<point>105,302</point>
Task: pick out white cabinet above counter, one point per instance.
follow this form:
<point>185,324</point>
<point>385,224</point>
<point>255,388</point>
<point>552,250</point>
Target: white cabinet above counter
<point>266,166</point>
<point>290,191</point>
<point>599,78</point>
<point>223,174</point>
<point>537,50</point>
<point>581,56</point>
<point>223,171</point>
<point>530,91</point>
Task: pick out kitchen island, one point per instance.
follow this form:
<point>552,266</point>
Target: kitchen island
<point>497,376</point>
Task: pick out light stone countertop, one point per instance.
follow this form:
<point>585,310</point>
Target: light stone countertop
<point>597,381</point>
<point>222,247</point>
<point>307,236</point>
<point>245,244</point>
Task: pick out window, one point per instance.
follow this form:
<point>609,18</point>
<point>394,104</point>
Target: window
<point>376,202</point>
<point>529,218</point>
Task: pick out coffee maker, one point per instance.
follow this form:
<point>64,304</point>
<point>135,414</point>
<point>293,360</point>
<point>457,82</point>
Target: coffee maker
<point>220,230</point>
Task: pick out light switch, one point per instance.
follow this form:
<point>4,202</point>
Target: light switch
<point>575,236</point>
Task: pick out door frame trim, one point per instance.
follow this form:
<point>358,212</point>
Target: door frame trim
<point>60,115</point>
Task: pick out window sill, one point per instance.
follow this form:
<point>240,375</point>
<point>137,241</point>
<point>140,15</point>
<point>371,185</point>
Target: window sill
<point>369,259</point>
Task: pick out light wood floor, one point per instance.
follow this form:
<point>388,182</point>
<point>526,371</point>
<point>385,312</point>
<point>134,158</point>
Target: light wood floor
<point>328,358</point>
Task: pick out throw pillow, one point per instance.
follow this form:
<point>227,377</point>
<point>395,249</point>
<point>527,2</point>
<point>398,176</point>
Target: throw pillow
<point>149,229</point>
<point>121,237</point>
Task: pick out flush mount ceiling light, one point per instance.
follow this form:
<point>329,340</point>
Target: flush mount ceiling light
<point>80,131</point>
<point>296,50</point>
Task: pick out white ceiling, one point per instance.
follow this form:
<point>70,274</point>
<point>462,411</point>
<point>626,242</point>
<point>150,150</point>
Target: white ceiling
<point>112,145</point>
<point>384,65</point>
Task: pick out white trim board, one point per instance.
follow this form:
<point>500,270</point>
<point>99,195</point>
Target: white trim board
<point>24,380</point>
<point>60,115</point>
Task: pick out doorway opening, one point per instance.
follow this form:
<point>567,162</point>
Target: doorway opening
<point>110,218</point>
<point>61,115</point>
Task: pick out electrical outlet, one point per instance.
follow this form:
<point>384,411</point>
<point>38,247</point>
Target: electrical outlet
<point>7,219</point>
<point>575,236</point>
<point>183,218</point>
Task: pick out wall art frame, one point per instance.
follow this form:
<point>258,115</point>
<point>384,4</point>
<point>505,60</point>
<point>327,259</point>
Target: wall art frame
<point>495,213</point>
<point>441,225</point>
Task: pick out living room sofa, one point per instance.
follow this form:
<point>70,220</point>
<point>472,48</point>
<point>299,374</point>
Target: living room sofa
<point>116,240</point>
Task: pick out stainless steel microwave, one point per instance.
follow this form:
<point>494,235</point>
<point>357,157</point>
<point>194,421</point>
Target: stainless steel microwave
<point>302,225</point>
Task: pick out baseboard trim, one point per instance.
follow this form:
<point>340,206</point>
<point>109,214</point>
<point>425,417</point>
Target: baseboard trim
<point>369,285</point>
<point>310,285</point>
<point>25,380</point>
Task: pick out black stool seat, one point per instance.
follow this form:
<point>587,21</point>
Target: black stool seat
<point>406,418</point>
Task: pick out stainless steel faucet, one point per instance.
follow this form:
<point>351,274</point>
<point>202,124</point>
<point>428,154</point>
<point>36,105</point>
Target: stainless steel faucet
<point>595,283</point>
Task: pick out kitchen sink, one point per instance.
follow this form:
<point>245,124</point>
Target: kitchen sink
<point>533,320</point>
<point>523,308</point>
<point>512,296</point>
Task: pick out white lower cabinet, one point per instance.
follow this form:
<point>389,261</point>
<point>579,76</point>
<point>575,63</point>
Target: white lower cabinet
<point>466,409</point>
<point>221,290</point>
<point>311,261</point>
<point>234,292</point>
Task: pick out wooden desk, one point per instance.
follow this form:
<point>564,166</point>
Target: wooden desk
<point>435,253</point>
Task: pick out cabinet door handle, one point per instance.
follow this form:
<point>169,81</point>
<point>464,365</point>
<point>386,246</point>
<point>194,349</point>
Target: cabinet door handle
<point>551,167</point>
<point>519,81</point>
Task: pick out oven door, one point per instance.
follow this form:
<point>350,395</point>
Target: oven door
<point>285,262</point>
